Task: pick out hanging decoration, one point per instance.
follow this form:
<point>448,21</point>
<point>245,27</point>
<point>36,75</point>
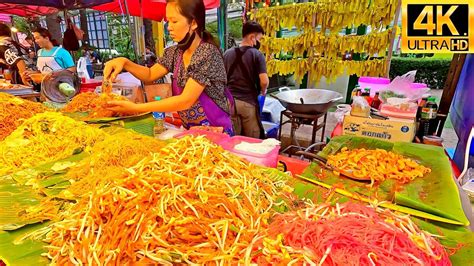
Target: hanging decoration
<point>319,48</point>
<point>330,15</point>
<point>328,68</point>
<point>332,46</point>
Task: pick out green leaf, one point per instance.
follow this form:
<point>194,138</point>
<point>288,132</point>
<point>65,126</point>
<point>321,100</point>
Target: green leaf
<point>27,252</point>
<point>15,198</point>
<point>435,193</point>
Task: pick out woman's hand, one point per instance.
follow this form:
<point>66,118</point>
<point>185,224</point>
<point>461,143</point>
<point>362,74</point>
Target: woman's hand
<point>123,107</point>
<point>25,78</point>
<point>27,74</point>
<point>114,67</point>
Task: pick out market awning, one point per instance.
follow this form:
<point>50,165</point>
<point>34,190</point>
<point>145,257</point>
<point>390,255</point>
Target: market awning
<point>60,4</point>
<point>5,18</point>
<point>152,9</point>
<point>26,10</point>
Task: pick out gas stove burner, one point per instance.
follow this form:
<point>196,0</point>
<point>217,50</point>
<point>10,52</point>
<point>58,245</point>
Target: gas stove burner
<point>298,119</point>
<point>304,121</point>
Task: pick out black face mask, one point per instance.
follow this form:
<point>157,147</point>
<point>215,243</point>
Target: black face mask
<point>257,45</point>
<point>186,42</point>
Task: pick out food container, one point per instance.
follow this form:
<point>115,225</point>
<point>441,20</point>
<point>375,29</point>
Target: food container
<point>90,85</point>
<point>269,159</point>
<point>433,140</point>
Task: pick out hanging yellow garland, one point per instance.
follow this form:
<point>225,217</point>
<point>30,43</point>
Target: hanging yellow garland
<point>332,46</point>
<point>325,46</point>
<point>328,68</point>
<point>330,15</point>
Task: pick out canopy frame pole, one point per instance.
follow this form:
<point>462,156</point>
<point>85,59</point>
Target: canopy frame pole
<point>392,38</point>
<point>142,87</point>
<point>134,46</point>
<point>222,24</point>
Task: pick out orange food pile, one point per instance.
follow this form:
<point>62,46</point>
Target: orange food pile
<point>13,111</point>
<point>377,165</point>
<point>94,104</point>
<point>109,160</point>
<point>191,203</point>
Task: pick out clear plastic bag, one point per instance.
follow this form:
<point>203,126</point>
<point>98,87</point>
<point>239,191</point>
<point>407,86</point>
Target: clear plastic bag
<point>404,87</point>
<point>360,107</point>
<point>341,111</point>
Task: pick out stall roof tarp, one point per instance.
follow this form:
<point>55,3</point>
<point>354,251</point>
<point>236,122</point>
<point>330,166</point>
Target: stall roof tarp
<point>152,9</point>
<point>26,10</point>
<point>5,18</point>
<point>60,4</point>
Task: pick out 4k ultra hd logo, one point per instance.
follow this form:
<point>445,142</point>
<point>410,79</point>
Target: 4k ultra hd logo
<point>433,26</point>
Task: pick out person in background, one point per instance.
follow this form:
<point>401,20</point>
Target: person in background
<point>150,57</point>
<point>51,58</point>
<point>31,50</point>
<point>199,79</point>
<point>57,68</point>
<point>95,57</point>
<point>89,61</point>
<point>11,57</point>
<point>34,47</point>
<point>247,78</point>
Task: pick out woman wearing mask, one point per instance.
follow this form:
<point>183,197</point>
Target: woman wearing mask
<point>199,78</point>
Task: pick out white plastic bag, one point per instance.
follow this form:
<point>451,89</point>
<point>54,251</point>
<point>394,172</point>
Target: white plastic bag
<point>341,111</point>
<point>401,87</point>
<point>82,68</point>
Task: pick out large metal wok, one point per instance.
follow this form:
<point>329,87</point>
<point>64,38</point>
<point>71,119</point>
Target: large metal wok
<point>308,100</point>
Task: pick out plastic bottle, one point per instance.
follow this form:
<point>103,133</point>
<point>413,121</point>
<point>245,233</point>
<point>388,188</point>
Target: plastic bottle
<point>430,109</point>
<point>376,102</point>
<point>366,95</point>
<point>159,117</point>
<point>7,74</point>
<point>428,122</point>
<point>355,92</point>
<point>420,107</point>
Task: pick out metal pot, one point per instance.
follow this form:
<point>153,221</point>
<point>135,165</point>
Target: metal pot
<point>308,100</point>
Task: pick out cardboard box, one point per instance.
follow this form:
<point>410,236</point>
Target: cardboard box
<point>390,130</point>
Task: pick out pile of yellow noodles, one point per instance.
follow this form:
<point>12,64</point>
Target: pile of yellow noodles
<point>192,202</point>
<point>44,138</point>
<point>377,165</point>
<point>108,161</point>
<point>14,110</point>
<point>94,104</point>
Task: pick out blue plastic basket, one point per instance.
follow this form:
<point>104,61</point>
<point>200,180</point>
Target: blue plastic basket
<point>261,102</point>
<point>271,129</point>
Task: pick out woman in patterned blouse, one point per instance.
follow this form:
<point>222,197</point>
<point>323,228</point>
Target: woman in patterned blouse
<point>199,77</point>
